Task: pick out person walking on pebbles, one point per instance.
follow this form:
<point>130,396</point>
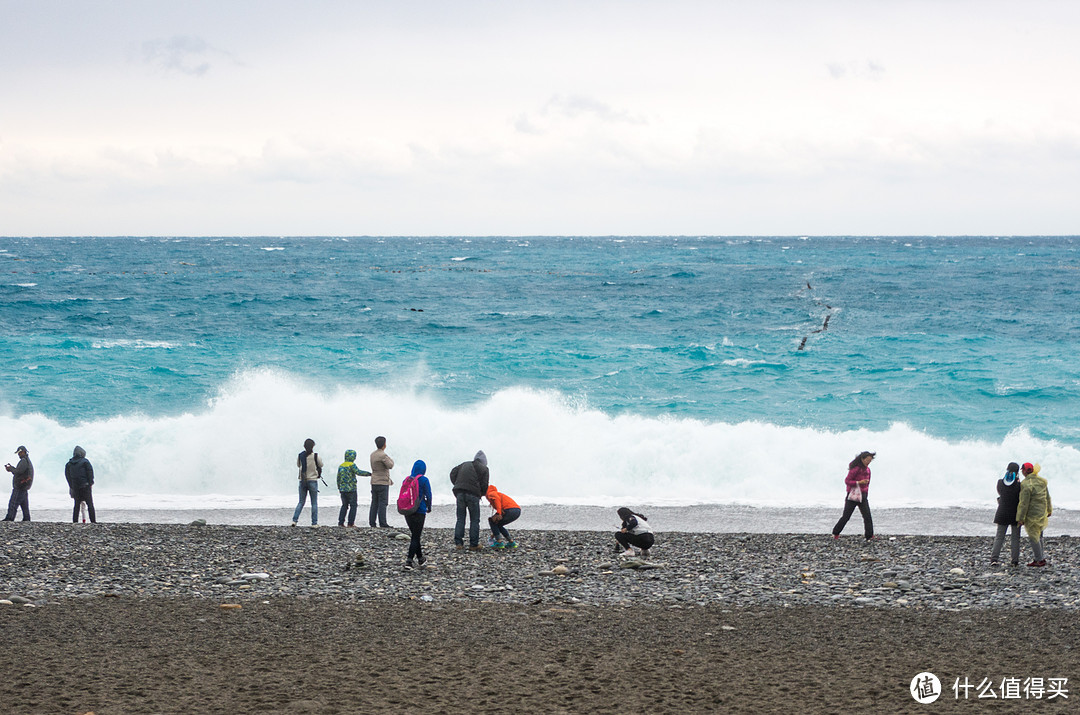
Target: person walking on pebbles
<point>857,484</point>
<point>1033,509</point>
<point>22,478</point>
<point>1008,489</point>
<point>310,465</point>
<point>506,511</point>
<point>80,478</point>
<point>635,532</point>
<point>381,464</point>
<point>346,484</point>
<point>415,521</point>
<point>470,480</point>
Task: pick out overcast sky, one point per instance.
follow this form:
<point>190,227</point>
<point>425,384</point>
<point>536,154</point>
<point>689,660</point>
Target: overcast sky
<point>513,117</point>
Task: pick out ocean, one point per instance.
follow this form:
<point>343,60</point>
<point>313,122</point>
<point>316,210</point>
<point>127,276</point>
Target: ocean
<point>594,372</point>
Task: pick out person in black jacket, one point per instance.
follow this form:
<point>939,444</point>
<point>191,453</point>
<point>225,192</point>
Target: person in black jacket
<point>80,478</point>
<point>22,478</point>
<point>470,480</point>
<point>1008,489</point>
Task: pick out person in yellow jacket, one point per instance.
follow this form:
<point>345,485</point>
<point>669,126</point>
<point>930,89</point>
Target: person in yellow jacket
<point>1034,509</point>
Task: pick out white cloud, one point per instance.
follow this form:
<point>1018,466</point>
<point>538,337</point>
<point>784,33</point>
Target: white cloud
<point>857,69</point>
<point>185,54</point>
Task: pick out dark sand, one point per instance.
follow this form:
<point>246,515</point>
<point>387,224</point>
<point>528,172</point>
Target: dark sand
<point>120,655</point>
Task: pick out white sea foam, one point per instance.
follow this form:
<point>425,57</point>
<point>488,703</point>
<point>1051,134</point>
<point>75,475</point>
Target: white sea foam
<point>137,344</point>
<point>240,450</point>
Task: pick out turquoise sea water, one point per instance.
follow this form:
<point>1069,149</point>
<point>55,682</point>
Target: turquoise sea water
<point>591,370</point>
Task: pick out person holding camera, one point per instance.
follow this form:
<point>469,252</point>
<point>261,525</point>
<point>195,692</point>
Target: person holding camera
<point>22,477</point>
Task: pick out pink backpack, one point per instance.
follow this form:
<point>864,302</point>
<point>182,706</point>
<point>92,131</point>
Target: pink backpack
<point>408,500</point>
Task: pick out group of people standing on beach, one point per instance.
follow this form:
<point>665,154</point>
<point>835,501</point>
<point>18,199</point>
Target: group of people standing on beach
<point>80,478</point>
<point>1025,504</point>
<point>470,480</point>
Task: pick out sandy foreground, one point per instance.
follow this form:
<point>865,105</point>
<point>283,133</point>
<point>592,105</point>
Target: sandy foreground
<point>129,619</point>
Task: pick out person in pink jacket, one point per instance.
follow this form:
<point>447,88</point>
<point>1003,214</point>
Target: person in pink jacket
<point>857,484</point>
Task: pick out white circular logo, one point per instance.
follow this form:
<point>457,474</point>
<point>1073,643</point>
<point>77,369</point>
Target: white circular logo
<point>925,688</point>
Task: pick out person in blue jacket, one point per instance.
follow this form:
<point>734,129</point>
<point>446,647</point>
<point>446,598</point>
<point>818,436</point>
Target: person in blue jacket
<point>416,520</point>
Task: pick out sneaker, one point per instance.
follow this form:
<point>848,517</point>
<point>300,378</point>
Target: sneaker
<point>496,544</point>
<point>836,537</point>
<point>628,552</point>
<point>511,545</point>
<point>422,562</point>
<point>995,562</point>
<point>1038,563</point>
<point>408,566</point>
<point>491,541</point>
<point>294,523</point>
<point>314,526</point>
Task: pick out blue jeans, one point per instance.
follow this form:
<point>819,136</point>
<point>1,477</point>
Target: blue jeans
<point>380,495</point>
<point>470,502</point>
<point>308,486</point>
<point>19,498</point>
<point>498,527</point>
<point>348,504</point>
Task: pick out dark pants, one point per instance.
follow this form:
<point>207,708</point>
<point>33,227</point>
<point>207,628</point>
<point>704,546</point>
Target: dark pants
<point>498,527</point>
<point>83,494</point>
<point>849,509</point>
<point>348,504</point>
<point>380,495</point>
<point>19,498</point>
<point>415,523</point>
<point>626,540</point>
<point>470,503</point>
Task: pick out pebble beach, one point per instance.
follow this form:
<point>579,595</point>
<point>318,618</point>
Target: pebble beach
<point>209,618</point>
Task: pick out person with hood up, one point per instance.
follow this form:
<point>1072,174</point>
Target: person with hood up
<point>22,478</point>
<point>415,521</point>
<point>80,478</point>
<point>506,511</point>
<point>1033,509</point>
<point>635,532</point>
<point>1008,489</point>
<point>470,480</point>
<point>346,484</point>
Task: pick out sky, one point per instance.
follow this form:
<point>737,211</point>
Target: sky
<point>523,117</point>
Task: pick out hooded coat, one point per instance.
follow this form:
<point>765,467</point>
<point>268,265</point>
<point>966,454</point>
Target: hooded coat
<point>499,501</point>
<point>78,471</point>
<point>1008,501</point>
<point>1034,506</point>
<point>348,472</point>
<point>22,476</point>
<point>471,477</point>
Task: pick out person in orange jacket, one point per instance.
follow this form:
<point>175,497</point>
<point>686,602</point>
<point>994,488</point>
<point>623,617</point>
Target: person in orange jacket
<point>506,511</point>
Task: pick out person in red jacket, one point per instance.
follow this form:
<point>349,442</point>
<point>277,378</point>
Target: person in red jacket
<point>506,511</point>
<point>857,484</point>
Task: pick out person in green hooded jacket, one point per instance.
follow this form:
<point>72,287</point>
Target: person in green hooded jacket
<point>1034,509</point>
<point>346,484</point>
